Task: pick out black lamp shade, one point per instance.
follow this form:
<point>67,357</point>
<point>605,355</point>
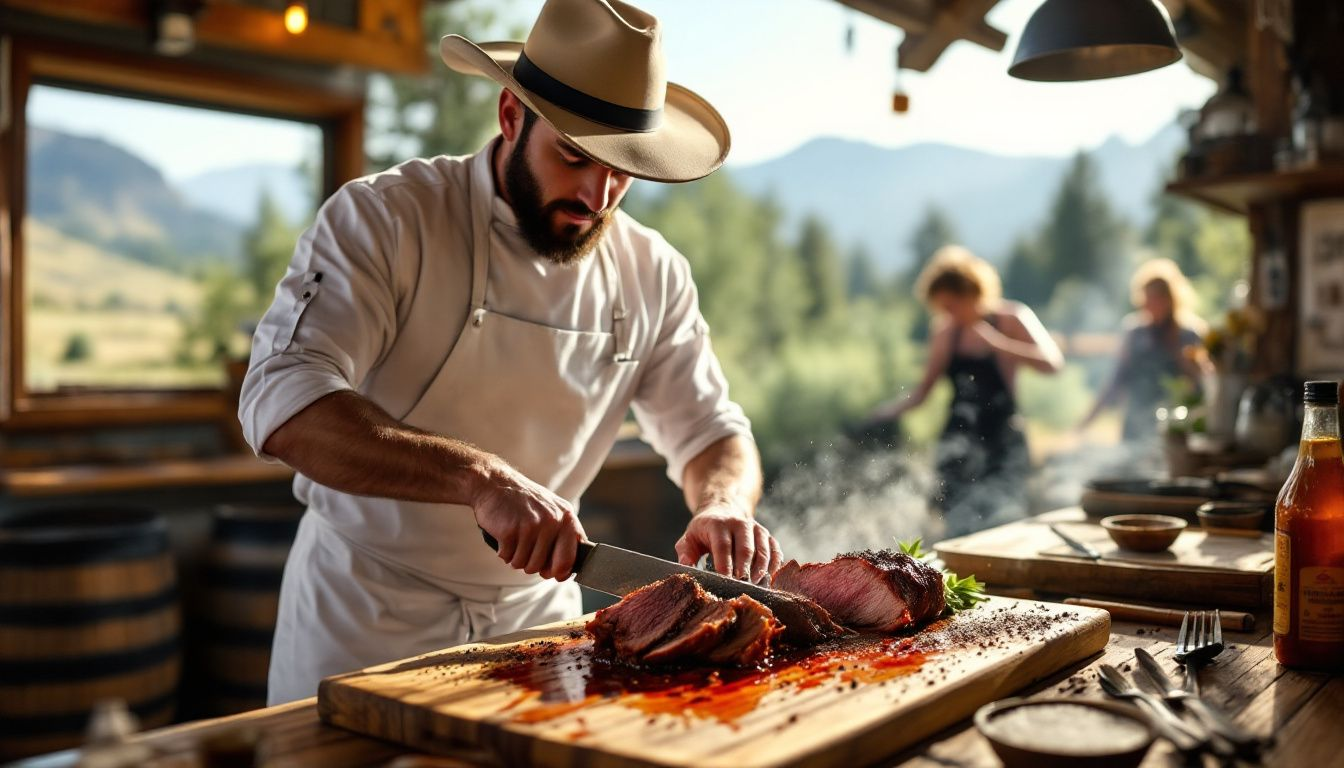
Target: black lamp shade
<point>1093,39</point>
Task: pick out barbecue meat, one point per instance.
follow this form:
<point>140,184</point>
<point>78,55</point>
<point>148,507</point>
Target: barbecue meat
<point>875,591</point>
<point>649,614</point>
<point>805,623</point>
<point>699,634</point>
<point>748,642</point>
<point>676,621</point>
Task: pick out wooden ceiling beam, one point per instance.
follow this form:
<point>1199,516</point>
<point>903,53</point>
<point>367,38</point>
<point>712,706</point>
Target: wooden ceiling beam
<point>958,20</point>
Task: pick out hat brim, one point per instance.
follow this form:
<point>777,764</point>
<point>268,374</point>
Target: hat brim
<point>691,143</point>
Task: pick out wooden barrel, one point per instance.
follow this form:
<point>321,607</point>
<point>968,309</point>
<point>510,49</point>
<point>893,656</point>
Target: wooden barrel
<point>88,611</point>
<point>240,594</point>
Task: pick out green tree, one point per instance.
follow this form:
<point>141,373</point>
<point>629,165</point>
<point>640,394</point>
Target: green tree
<point>1083,237</point>
<point>78,348</point>
<point>216,329</point>
<point>441,111</point>
<point>267,249</point>
<point>935,230</point>
<point>1024,276</point>
<point>822,272</point>
<point>862,278</point>
<point>1212,248</point>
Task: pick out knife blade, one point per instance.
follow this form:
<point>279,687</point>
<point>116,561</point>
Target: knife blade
<point>1084,549</point>
<point>1166,722</point>
<point>619,572</point>
<point>1212,719</point>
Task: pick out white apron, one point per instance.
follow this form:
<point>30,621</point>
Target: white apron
<point>371,580</point>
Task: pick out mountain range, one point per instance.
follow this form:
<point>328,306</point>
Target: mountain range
<point>876,196</point>
<point>867,195</point>
<point>102,194</point>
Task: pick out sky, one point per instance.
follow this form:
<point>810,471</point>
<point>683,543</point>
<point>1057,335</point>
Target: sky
<point>779,72</point>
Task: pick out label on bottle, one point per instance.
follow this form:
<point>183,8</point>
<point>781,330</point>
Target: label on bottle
<point>1283,590</point>
<point>1321,596</point>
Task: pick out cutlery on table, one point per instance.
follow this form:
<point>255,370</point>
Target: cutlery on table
<point>1086,550</point>
<point>1168,725</point>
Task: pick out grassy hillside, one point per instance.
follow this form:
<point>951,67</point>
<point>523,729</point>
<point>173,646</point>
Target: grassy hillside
<point>98,319</point>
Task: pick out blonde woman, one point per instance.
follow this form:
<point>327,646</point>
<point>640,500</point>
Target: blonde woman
<point>1162,343</point>
<point>979,342</point>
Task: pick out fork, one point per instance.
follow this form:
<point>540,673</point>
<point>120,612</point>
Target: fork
<point>1199,641</point>
<point>1166,722</point>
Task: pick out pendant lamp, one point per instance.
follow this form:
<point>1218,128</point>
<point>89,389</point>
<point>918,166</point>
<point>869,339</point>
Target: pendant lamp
<point>1093,39</point>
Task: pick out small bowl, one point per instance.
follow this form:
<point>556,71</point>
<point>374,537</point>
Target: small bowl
<point>1143,533</point>
<point>1065,733</point>
<point>1243,515</point>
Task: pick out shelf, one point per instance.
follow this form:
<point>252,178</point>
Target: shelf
<point>1237,193</point>
<point>95,479</point>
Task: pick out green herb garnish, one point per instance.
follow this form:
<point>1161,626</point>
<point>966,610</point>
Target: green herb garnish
<point>959,594</point>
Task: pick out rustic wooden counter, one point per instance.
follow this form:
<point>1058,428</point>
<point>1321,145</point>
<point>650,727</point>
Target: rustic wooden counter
<point>1304,712</point>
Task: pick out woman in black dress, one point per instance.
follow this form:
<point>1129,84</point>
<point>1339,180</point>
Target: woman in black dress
<point>979,341</point>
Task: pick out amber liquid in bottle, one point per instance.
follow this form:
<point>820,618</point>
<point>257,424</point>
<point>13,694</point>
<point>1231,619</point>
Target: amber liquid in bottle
<point>1309,546</point>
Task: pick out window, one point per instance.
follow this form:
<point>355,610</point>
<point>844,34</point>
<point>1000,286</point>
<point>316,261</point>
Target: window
<point>150,211</point>
<point>154,234</point>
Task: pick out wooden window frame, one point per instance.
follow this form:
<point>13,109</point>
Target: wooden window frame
<point>339,115</point>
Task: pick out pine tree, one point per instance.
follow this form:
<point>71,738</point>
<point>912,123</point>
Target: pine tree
<point>820,262</point>
<point>441,111</point>
<point>933,232</point>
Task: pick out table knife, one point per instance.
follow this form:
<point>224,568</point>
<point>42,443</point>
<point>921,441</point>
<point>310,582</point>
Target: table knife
<point>1214,720</point>
<point>1083,549</point>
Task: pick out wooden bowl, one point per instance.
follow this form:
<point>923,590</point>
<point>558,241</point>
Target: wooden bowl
<point>1143,533</point>
<point>1065,733</point>
<point>1242,515</point>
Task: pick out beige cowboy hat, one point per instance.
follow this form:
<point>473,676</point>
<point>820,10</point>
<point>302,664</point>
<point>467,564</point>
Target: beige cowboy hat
<point>593,69</point>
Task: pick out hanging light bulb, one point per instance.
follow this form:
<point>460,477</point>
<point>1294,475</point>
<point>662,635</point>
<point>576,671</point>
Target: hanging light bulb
<point>900,100</point>
<point>296,17</point>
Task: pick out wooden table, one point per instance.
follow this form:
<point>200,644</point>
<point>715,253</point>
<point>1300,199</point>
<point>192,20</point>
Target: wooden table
<point>1303,710</point>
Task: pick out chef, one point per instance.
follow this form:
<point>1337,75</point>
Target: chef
<point>457,341</point>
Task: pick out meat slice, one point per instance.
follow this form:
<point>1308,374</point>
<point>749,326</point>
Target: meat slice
<point>748,642</point>
<point>880,591</point>
<point>699,634</point>
<point>805,623</point>
<point>644,617</point>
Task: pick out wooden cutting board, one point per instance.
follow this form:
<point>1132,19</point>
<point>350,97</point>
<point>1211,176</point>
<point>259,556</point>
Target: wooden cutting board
<point>1210,571</point>
<point>544,697</point>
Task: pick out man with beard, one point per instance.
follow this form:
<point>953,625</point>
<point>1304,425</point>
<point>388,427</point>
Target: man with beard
<point>457,341</point>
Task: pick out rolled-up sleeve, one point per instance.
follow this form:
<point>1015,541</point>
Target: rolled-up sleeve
<point>333,317</point>
<point>682,402</point>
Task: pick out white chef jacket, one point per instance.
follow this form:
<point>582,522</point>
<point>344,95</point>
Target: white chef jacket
<point>378,292</point>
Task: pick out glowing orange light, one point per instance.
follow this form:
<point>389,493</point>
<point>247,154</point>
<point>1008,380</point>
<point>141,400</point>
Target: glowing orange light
<point>296,17</point>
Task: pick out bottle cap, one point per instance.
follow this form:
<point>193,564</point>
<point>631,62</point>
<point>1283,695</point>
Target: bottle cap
<point>1322,393</point>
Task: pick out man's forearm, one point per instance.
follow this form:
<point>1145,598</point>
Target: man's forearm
<point>728,472</point>
<point>346,442</point>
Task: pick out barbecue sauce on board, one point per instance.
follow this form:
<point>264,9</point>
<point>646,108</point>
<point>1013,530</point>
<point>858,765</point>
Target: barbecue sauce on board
<point>1309,542</point>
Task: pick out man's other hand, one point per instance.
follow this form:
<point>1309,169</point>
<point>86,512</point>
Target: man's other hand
<point>740,546</point>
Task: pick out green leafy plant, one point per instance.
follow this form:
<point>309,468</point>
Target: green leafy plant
<point>959,594</point>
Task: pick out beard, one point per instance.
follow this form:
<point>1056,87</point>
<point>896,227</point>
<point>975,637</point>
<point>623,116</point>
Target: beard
<point>565,245</point>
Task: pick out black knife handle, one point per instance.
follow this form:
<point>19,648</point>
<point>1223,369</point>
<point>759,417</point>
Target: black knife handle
<point>580,556</point>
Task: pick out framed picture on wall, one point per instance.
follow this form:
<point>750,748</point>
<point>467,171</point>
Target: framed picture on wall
<point>1320,319</point>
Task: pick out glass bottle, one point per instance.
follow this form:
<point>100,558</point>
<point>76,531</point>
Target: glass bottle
<point>1309,542</point>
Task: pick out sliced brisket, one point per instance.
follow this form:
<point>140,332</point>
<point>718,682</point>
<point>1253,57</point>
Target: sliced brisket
<point>676,621</point>
<point>700,633</point>
<point>644,617</point>
<point>748,642</point>
<point>804,622</point>
<point>877,591</point>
